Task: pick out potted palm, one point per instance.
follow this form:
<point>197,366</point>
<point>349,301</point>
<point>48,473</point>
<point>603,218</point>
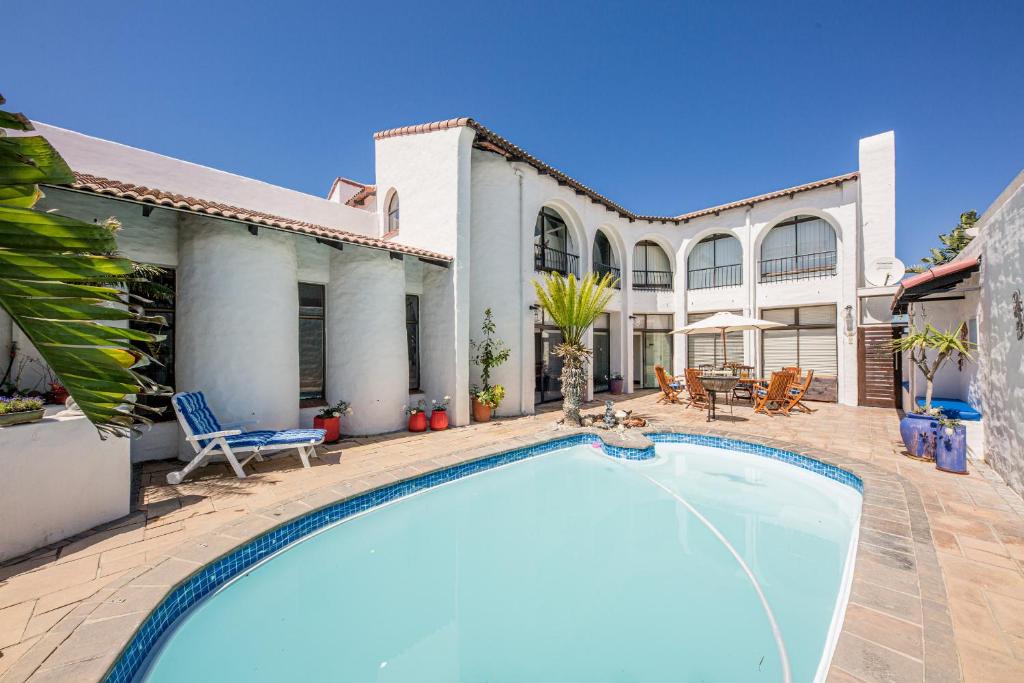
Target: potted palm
<point>919,428</point>
<point>417,416</point>
<point>439,414</point>
<point>489,353</point>
<point>573,305</point>
<point>329,419</point>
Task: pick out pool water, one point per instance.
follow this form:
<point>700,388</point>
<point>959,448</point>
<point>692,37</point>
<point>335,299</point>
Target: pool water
<point>703,564</point>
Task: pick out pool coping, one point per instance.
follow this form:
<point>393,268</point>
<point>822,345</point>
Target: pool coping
<point>896,572</point>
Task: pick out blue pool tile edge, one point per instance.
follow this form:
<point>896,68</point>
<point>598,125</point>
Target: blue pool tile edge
<point>214,575</point>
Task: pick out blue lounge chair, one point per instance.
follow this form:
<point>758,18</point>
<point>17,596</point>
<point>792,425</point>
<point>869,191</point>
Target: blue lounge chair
<point>209,437</point>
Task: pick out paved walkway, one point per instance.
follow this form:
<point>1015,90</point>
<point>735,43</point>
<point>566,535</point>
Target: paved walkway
<point>977,527</point>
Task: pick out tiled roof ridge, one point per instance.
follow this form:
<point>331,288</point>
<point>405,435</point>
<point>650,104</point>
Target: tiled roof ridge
<point>498,144</point>
<point>147,195</point>
<point>358,200</point>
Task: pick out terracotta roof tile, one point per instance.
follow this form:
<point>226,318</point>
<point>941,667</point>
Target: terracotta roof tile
<point>146,195</point>
<point>360,198</point>
<point>492,142</point>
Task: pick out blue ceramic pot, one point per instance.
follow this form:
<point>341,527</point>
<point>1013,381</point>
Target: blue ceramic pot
<point>919,434</point>
<point>951,450</point>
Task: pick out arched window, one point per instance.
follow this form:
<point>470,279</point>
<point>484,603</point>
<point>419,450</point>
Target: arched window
<point>651,267</point>
<point>716,261</point>
<point>553,249</point>
<point>393,213</point>
<point>604,257</point>
<point>798,248</point>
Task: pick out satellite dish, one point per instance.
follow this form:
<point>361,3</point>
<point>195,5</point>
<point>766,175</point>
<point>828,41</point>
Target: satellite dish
<point>884,271</point>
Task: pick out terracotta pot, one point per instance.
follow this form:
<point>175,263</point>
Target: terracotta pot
<point>331,425</point>
<point>439,420</point>
<point>418,422</point>
<point>58,393</point>
<point>481,412</point>
<point>615,386</point>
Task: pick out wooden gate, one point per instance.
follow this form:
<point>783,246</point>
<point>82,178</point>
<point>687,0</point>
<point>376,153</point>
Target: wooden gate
<point>878,377</point>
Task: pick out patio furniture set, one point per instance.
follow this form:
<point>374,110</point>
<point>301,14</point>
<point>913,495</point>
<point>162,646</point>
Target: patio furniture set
<point>780,394</point>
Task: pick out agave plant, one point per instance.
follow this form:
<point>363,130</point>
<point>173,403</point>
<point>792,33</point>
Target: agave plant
<point>573,306</point>
<point>922,341</point>
<point>57,282</point>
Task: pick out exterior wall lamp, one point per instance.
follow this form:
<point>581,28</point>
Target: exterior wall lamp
<point>848,322</point>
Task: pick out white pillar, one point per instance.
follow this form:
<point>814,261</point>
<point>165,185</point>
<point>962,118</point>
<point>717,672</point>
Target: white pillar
<point>237,322</point>
<point>367,354</point>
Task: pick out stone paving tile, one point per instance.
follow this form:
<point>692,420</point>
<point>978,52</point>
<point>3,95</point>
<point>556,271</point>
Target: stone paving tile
<point>975,523</point>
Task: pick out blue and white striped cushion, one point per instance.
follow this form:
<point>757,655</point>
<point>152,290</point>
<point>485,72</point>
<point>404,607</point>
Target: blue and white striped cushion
<point>197,413</point>
<point>294,437</point>
<point>249,439</point>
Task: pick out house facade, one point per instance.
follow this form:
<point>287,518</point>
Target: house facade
<point>373,294</point>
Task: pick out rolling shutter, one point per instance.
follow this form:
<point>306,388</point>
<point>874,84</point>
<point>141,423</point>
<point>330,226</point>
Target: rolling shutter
<point>706,349</point>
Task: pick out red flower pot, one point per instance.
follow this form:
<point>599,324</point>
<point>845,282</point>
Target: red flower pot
<point>331,425</point>
<point>481,412</point>
<point>418,422</point>
<point>439,420</point>
<point>58,393</point>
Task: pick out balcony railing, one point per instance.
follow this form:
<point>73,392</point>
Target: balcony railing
<point>652,279</point>
<point>801,267</point>
<point>719,276</point>
<point>555,260</point>
<point>602,269</point>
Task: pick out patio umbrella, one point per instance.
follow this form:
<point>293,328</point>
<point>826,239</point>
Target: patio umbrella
<point>726,322</point>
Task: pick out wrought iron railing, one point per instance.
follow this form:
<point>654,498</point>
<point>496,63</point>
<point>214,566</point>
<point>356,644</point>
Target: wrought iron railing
<point>719,276</point>
<point>555,260</point>
<point>801,267</point>
<point>652,279</point>
<point>602,269</point>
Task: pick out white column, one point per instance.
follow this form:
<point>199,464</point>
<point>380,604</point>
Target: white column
<point>237,329</point>
<point>367,353</point>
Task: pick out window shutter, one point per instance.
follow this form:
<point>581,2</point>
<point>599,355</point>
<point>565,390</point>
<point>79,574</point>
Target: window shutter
<point>818,351</point>
<point>818,315</point>
<point>780,350</point>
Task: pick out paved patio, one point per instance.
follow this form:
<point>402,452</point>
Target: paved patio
<point>976,527</point>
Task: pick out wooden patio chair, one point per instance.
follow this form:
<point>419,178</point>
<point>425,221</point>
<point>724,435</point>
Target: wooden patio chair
<point>670,388</point>
<point>744,390</point>
<point>698,395</point>
<point>774,398</point>
<point>797,372</point>
<point>796,394</point>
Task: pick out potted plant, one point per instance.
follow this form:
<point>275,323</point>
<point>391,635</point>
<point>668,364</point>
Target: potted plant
<point>58,394</point>
<point>487,400</point>
<point>951,446</point>
<point>20,409</point>
<point>489,353</point>
<point>329,420</point>
<point>615,383</point>
<point>919,427</point>
<point>417,417</point>
<point>439,414</point>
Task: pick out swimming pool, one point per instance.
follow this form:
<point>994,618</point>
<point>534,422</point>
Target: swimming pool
<point>700,564</point>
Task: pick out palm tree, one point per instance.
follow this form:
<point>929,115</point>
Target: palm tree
<point>61,281</point>
<point>573,306</point>
<point>941,344</point>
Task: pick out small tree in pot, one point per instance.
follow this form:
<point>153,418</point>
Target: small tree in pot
<point>488,354</point>
<point>574,306</point>
<point>919,435</point>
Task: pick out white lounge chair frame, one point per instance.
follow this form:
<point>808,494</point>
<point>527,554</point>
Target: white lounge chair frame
<point>217,440</point>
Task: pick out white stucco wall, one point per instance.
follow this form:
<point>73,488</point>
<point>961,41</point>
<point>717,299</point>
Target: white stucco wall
<point>57,478</point>
<point>1002,352</point>
<point>367,356</point>
<point>237,329</point>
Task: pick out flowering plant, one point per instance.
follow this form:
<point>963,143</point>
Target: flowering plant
<point>337,410</point>
<point>441,403</point>
<point>19,404</point>
<point>418,408</point>
<point>491,396</point>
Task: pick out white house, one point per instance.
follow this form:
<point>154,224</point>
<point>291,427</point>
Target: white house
<point>373,294</point>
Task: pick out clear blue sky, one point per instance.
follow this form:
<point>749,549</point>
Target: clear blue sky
<point>665,107</point>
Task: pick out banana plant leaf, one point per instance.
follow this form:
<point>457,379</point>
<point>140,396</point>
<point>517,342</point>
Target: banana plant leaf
<point>60,278</point>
